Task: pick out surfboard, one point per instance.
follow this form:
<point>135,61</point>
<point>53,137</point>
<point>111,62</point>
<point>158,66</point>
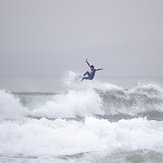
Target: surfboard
<point>78,78</point>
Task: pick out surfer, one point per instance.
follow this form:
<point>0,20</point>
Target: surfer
<point>90,74</point>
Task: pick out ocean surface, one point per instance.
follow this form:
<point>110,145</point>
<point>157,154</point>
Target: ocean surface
<point>54,119</point>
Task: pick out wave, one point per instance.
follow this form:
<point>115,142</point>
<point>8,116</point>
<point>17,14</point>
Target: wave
<point>141,99</point>
<point>84,99</point>
<point>93,138</point>
<point>108,100</point>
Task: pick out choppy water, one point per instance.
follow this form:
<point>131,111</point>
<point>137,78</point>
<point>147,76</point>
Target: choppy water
<point>54,119</point>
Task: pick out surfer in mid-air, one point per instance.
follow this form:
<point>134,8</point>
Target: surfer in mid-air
<point>90,74</point>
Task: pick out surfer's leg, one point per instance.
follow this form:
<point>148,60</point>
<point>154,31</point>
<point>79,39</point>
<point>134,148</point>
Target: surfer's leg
<point>87,78</point>
<point>87,73</point>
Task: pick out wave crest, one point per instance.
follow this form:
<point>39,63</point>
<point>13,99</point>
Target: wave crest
<point>10,106</point>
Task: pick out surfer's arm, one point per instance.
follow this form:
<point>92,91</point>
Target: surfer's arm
<point>87,62</point>
<point>99,69</point>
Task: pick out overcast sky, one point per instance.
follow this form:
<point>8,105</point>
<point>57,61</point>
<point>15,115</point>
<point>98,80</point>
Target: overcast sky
<point>125,37</point>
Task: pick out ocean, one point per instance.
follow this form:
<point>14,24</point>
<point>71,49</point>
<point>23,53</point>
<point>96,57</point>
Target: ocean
<point>54,119</point>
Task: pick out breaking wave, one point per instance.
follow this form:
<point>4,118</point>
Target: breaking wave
<point>82,100</point>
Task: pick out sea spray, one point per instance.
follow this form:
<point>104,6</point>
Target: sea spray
<point>71,104</point>
<point>10,106</point>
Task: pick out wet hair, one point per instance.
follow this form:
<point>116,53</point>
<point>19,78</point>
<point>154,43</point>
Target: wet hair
<point>92,66</point>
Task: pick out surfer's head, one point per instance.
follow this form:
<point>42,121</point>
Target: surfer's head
<point>92,67</point>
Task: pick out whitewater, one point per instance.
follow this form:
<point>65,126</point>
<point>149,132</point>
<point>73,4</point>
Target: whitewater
<point>56,119</point>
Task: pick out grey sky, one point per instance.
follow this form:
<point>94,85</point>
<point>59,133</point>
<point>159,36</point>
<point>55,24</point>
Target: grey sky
<point>125,37</point>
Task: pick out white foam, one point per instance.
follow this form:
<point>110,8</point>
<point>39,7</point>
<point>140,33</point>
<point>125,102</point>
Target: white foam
<point>74,103</point>
<point>10,106</point>
<point>36,138</point>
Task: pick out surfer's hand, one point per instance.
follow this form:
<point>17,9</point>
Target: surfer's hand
<point>86,59</point>
<point>102,69</point>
